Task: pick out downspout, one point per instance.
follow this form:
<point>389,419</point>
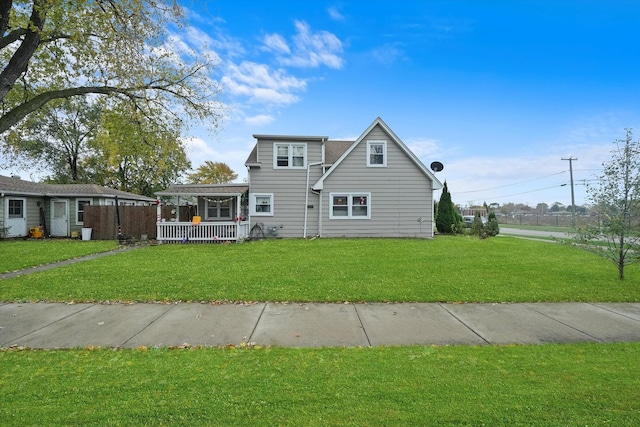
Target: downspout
<point>249,200</point>
<point>306,198</point>
<point>319,193</point>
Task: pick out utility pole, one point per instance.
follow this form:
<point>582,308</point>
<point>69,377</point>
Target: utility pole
<point>573,201</point>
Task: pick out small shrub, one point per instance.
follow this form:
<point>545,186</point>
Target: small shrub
<point>477,226</point>
<point>458,227</point>
<point>492,227</point>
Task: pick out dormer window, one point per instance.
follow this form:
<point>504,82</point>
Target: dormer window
<point>376,154</point>
<point>289,155</point>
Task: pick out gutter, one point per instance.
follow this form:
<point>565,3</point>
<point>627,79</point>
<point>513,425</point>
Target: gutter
<point>306,198</point>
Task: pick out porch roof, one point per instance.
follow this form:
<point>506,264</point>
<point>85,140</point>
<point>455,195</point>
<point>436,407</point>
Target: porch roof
<point>209,190</point>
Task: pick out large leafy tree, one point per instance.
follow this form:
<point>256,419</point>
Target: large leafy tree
<point>56,49</point>
<point>616,199</point>
<point>212,173</point>
<point>59,141</point>
<point>135,155</point>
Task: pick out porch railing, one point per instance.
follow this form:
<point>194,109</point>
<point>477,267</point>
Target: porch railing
<point>185,232</point>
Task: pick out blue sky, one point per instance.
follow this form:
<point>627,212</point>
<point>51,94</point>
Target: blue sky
<point>498,91</point>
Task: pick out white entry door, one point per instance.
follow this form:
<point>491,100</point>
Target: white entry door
<point>15,219</point>
<point>59,218</point>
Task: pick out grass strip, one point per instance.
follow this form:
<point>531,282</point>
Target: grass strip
<point>546,385</point>
<point>19,254</point>
<point>448,269</point>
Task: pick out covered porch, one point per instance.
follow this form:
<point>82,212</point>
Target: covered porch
<point>204,213</point>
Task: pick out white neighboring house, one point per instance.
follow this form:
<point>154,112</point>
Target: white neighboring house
<point>58,208</point>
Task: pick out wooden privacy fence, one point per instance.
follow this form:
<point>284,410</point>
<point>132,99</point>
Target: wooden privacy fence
<point>135,221</point>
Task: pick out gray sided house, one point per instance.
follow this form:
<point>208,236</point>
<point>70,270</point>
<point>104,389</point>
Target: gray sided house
<point>303,186</point>
<point>59,208</point>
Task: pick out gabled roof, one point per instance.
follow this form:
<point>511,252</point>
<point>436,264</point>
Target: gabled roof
<point>253,157</point>
<point>209,190</point>
<point>334,149</point>
<point>379,122</point>
<point>18,187</point>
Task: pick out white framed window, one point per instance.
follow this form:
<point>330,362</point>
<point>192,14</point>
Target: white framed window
<point>350,205</point>
<point>80,204</point>
<point>261,204</point>
<point>289,156</point>
<point>376,154</point>
<point>218,208</point>
<point>15,208</point>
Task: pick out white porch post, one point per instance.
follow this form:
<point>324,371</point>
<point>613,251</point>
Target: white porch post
<point>158,220</point>
<point>239,216</point>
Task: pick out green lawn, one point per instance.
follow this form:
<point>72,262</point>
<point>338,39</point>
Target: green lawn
<point>19,254</point>
<point>539,385</point>
<point>444,269</point>
<point>546,385</point>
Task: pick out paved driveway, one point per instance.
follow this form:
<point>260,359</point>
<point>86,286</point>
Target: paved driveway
<point>507,231</point>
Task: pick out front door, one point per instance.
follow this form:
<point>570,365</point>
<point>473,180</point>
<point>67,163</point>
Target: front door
<point>59,218</point>
<point>15,220</point>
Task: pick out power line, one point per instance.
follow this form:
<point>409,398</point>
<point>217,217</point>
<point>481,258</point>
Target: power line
<point>518,194</point>
<point>509,185</point>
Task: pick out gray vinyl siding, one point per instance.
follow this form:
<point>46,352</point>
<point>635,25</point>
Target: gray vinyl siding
<point>400,194</point>
<point>289,187</point>
<point>33,212</point>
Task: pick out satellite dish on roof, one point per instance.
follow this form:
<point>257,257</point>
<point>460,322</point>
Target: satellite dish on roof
<point>437,166</point>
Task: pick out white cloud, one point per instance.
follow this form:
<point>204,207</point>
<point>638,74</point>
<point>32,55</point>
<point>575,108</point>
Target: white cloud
<point>276,43</point>
<point>259,120</point>
<point>524,179</point>
<point>425,149</point>
<point>335,14</point>
<point>502,180</point>
<point>198,150</point>
<point>261,84</point>
<point>388,53</point>
<point>310,49</point>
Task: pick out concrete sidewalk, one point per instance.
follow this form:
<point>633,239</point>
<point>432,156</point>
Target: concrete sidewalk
<point>59,325</point>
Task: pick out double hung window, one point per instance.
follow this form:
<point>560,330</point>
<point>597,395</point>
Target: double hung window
<point>80,204</point>
<point>290,155</point>
<point>350,206</point>
<point>376,153</point>
<point>262,204</point>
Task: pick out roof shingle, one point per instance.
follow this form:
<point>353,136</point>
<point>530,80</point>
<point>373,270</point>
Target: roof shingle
<point>17,186</point>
